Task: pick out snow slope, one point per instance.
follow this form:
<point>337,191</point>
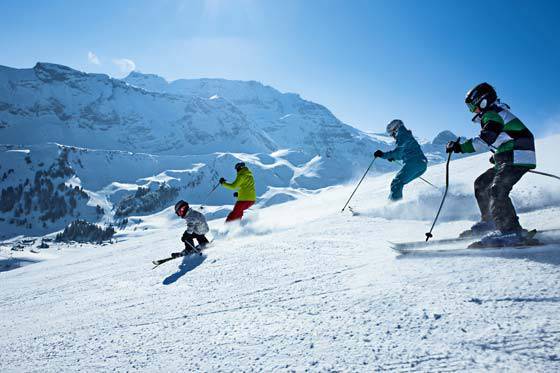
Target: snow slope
<point>299,286</point>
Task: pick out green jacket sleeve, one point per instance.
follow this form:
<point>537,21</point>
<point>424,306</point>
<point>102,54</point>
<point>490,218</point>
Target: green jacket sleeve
<point>467,146</point>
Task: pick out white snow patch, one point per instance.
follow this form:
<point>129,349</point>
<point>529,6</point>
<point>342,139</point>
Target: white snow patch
<point>74,181</point>
<point>25,151</point>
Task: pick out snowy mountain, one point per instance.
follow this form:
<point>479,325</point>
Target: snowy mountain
<point>126,142</point>
<point>290,121</point>
<point>299,287</point>
<point>53,103</point>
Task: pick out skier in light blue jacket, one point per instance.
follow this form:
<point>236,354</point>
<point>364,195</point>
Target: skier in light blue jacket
<point>409,152</point>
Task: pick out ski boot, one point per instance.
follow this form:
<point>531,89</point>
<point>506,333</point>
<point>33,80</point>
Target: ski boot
<point>517,238</point>
<point>479,229</point>
<point>177,255</point>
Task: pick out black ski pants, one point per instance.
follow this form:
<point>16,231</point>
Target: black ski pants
<point>188,238</point>
<point>492,190</point>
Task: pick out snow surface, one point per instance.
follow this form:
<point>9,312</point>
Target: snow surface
<point>298,286</point>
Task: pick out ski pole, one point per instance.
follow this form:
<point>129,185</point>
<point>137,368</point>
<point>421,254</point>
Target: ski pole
<point>208,195</point>
<point>427,182</point>
<point>194,248</point>
<point>357,186</point>
<point>420,177</point>
<point>493,150</point>
<point>213,189</point>
<point>429,234</point>
<point>544,174</point>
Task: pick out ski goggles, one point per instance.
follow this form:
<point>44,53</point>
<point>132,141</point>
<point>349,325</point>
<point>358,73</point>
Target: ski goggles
<point>472,107</point>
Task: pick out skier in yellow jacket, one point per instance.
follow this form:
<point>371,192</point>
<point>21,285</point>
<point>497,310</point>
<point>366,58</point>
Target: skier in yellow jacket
<point>244,185</point>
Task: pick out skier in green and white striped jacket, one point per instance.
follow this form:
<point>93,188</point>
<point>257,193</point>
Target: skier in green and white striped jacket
<point>513,146</point>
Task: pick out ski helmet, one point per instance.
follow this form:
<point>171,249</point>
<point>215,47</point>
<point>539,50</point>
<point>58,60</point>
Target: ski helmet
<point>239,166</point>
<point>393,127</point>
<point>181,208</point>
<point>481,97</point>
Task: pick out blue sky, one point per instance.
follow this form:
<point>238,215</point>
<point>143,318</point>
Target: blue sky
<point>367,61</point>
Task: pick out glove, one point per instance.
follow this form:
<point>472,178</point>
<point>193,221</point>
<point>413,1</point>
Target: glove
<point>378,154</point>
<point>222,180</point>
<point>235,194</point>
<point>453,147</point>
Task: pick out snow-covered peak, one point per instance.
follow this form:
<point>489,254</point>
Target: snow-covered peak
<point>54,103</point>
<point>233,90</point>
<point>149,82</point>
<point>55,71</point>
<point>444,137</point>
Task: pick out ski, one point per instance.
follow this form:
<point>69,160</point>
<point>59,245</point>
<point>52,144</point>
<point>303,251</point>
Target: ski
<point>465,250</point>
<point>447,246</point>
<point>459,248</point>
<point>419,245</point>
<point>352,211</point>
<point>195,251</point>
<point>431,243</point>
<point>161,261</point>
<point>538,238</point>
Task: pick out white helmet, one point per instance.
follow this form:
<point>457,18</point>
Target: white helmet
<point>394,126</point>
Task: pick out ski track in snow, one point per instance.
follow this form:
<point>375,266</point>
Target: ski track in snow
<point>297,287</point>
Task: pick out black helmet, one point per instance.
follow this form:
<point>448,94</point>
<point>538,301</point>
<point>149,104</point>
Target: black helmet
<point>482,97</point>
<point>393,127</point>
<point>239,166</point>
<point>179,205</point>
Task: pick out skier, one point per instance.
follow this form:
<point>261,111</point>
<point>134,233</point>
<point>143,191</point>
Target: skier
<point>246,196</point>
<point>408,150</point>
<point>513,146</point>
<point>197,227</point>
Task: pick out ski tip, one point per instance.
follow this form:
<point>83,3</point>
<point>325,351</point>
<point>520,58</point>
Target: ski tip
<point>395,247</point>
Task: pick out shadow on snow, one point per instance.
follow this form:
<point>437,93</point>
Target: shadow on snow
<point>14,263</point>
<point>189,263</point>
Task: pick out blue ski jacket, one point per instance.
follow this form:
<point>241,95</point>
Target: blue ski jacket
<point>407,150</point>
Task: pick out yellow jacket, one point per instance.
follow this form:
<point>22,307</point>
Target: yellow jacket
<point>244,184</point>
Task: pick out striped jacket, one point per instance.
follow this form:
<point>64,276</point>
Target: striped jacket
<point>505,135</point>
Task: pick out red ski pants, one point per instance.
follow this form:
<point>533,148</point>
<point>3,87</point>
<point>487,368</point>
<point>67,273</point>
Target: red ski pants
<point>238,209</point>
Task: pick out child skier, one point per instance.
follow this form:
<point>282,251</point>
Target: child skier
<point>408,150</point>
<point>246,196</point>
<point>513,146</point>
<point>197,227</point>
